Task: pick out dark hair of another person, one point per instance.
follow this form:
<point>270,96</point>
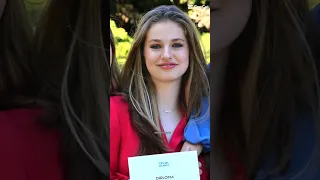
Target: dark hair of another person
<point>73,66</point>
<point>115,72</point>
<point>272,80</point>
<point>17,82</point>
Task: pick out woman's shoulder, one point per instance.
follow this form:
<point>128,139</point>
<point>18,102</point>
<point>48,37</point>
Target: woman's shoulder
<point>24,115</point>
<point>119,110</point>
<point>25,122</point>
<point>204,111</point>
<point>118,101</point>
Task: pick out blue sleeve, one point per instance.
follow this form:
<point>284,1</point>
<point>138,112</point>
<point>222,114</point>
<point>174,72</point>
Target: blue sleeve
<point>316,11</point>
<point>198,128</point>
<point>303,147</point>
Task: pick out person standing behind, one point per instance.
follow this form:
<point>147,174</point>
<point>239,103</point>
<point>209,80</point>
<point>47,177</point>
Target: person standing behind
<point>72,63</point>
<point>267,95</point>
<point>29,149</point>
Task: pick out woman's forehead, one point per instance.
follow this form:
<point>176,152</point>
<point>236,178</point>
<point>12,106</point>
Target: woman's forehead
<point>167,29</point>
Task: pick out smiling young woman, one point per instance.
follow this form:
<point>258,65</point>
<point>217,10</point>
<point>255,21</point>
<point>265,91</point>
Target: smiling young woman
<point>164,79</point>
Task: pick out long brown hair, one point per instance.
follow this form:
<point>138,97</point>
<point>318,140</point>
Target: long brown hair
<point>271,80</point>
<point>17,82</point>
<point>115,71</point>
<point>72,64</point>
<point>138,85</point>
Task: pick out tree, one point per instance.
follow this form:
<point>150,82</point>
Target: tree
<point>128,12</point>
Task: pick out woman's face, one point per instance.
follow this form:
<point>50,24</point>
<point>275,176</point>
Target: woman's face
<point>2,5</point>
<point>228,18</point>
<point>166,52</point>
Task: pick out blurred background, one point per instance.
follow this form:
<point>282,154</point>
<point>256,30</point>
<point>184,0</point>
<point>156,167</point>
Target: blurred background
<point>124,15</point>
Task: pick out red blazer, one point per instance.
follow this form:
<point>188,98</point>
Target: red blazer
<point>28,151</point>
<point>124,141</point>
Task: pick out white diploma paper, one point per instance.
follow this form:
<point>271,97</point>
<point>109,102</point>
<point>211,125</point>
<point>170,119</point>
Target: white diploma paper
<point>171,166</point>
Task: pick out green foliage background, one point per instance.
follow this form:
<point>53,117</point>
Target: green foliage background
<point>123,42</point>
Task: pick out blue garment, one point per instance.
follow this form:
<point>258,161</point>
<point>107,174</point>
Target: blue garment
<point>302,148</point>
<point>316,12</point>
<point>197,130</point>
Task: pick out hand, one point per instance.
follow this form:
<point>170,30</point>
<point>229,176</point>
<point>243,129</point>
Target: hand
<point>200,171</point>
<point>192,147</point>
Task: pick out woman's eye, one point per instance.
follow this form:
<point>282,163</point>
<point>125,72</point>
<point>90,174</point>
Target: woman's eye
<point>177,45</point>
<point>155,46</point>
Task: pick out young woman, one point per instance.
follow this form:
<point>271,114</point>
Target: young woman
<point>71,62</point>
<point>29,150</point>
<point>165,81</point>
<point>265,70</point>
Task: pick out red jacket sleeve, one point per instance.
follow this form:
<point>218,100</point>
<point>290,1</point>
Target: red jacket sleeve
<point>115,139</point>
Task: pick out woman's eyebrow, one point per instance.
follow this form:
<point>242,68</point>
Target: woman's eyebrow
<point>158,40</point>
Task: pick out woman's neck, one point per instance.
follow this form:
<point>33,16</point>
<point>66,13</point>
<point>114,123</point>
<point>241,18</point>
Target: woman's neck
<point>168,95</point>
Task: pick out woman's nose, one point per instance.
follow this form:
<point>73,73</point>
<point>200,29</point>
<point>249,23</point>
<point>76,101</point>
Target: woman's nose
<point>167,54</point>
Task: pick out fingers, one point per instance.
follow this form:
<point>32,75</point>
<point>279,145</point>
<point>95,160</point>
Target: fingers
<point>192,147</point>
<point>200,171</point>
<point>187,148</point>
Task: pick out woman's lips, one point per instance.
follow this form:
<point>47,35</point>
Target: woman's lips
<point>167,66</point>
